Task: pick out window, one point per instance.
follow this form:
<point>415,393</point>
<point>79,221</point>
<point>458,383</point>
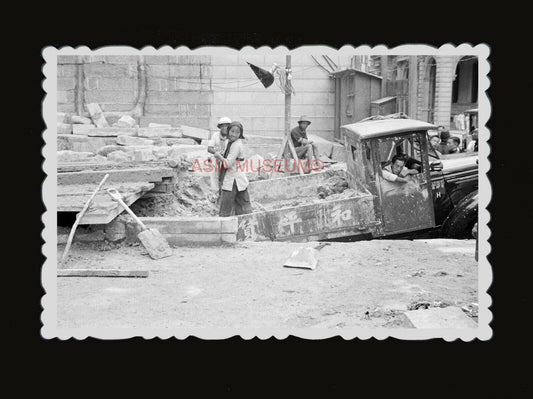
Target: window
<point>354,155</point>
<point>408,146</point>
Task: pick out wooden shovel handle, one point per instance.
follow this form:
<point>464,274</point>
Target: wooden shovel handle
<point>117,197</point>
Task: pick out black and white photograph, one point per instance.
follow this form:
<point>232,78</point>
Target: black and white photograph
<point>266,192</point>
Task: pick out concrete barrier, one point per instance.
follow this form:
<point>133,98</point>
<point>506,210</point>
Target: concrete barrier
<point>182,230</point>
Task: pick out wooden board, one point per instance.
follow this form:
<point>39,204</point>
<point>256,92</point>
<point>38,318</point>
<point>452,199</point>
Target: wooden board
<point>154,175</point>
<point>109,165</point>
<point>325,219</point>
<point>103,209</point>
<point>101,273</point>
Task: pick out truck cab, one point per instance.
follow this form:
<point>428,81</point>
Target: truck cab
<point>441,195</point>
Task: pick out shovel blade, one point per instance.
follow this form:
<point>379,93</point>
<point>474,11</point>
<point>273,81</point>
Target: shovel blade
<point>303,258</point>
<point>154,243</point>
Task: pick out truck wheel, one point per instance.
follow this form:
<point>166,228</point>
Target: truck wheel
<point>462,218</point>
<point>460,226</point>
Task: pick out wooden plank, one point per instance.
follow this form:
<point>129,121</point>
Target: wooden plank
<point>101,273</point>
<point>115,175</point>
<point>94,217</point>
<point>108,165</point>
<point>80,189</point>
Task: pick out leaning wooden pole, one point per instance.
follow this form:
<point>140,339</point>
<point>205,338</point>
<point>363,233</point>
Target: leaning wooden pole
<point>288,95</point>
<point>79,217</point>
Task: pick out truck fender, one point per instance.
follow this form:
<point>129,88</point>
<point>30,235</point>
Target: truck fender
<point>462,218</point>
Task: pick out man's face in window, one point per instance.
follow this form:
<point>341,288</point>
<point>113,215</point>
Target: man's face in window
<point>397,166</point>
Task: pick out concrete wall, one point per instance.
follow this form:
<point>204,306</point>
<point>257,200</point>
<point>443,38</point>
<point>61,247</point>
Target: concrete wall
<point>238,94</point>
<point>177,86</point>
<point>197,90</point>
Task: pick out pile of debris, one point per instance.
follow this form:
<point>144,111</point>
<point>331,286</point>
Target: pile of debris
<point>335,188</point>
<point>94,140</point>
<point>192,196</point>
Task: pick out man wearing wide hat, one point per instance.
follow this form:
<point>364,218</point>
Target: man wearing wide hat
<point>305,148</point>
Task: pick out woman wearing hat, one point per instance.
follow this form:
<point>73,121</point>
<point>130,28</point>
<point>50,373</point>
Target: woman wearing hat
<point>234,196</point>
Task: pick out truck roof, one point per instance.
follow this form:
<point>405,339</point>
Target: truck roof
<point>385,127</point>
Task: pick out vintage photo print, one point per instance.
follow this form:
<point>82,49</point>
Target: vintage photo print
<point>266,192</point>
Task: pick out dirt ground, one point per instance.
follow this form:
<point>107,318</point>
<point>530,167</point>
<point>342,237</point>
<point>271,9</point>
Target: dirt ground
<point>362,284</point>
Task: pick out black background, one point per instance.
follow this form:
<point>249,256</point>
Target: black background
<point>404,368</point>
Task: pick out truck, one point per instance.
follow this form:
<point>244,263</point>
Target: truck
<point>441,199</point>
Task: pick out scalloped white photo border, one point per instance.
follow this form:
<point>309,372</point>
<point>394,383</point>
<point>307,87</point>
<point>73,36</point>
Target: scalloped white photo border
<point>50,329</point>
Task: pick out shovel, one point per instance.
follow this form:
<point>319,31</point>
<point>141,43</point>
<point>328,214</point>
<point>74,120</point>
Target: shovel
<point>151,239</point>
<point>305,257</point>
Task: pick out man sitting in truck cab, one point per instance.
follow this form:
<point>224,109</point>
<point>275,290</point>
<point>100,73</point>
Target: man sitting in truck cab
<point>396,171</point>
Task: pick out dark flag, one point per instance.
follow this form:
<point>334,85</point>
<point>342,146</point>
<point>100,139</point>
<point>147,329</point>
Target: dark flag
<point>264,76</point>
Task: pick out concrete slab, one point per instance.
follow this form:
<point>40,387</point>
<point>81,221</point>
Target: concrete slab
<point>73,156</point>
<point>192,225</point>
<point>82,143</point>
<point>129,140</point>
<point>90,130</point>
<point>449,317</point>
<point>160,132</point>
<point>97,115</point>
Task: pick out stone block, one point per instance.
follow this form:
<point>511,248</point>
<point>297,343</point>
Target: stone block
<point>176,240</point>
<point>129,140</point>
<point>159,125</point>
<point>229,238</point>
<point>184,225</point>
<point>229,225</point>
<point>145,121</point>
<point>99,158</point>
<point>178,141</point>
<point>115,230</point>
<point>144,155</point>
<point>97,115</point>
<point>161,152</point>
<point>159,132</point>
<point>107,149</point>
<point>61,118</point>
<point>90,144</point>
<point>449,317</point>
<point>180,149</point>
<point>63,142</point>
<point>64,128</point>
<point>126,121</point>
<point>120,156</point>
<point>73,156</point>
<point>80,120</point>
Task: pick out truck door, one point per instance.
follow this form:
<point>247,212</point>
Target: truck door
<point>404,206</point>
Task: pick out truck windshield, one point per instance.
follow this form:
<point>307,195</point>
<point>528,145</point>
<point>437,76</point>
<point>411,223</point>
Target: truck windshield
<point>409,146</point>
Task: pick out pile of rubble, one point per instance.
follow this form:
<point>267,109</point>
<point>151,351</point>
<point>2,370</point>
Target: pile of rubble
<point>94,140</point>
